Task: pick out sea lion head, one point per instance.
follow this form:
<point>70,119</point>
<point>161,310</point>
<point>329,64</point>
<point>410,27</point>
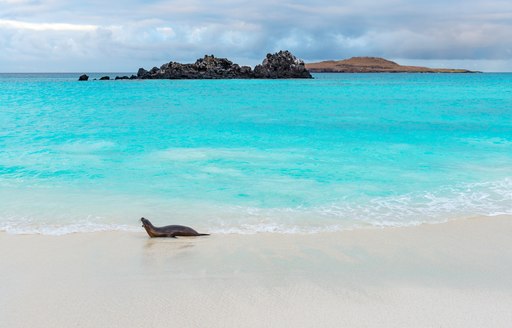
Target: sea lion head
<point>145,222</point>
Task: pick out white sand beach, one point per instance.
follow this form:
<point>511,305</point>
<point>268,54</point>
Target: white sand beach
<point>457,274</point>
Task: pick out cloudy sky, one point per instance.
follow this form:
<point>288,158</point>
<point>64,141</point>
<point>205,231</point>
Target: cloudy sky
<point>123,35</point>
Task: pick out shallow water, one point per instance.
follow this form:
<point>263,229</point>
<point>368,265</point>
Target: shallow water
<point>336,152</point>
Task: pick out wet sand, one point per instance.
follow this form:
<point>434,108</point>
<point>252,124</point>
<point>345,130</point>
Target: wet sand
<point>455,274</point>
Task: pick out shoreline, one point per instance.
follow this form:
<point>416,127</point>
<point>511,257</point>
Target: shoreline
<point>454,274</point>
<point>98,228</point>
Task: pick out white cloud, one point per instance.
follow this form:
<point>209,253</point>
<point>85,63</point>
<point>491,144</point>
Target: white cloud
<point>14,24</point>
<point>14,2</point>
<point>166,32</point>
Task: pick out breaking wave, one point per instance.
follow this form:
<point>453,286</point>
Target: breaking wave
<point>444,204</point>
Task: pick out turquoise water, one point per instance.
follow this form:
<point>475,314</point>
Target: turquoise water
<point>333,153</point>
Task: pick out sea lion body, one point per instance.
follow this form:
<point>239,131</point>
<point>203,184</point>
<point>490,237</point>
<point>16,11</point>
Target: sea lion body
<point>170,231</point>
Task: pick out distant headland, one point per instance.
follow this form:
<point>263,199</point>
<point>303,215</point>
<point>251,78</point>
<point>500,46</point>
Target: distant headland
<point>373,65</point>
<point>280,65</point>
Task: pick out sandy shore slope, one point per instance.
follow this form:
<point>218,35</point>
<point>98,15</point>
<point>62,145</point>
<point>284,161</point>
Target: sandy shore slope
<point>457,274</point>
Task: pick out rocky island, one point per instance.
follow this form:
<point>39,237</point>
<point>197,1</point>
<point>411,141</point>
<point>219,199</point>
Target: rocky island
<point>280,65</point>
<point>373,65</point>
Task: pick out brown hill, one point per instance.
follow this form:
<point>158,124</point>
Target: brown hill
<point>373,65</point>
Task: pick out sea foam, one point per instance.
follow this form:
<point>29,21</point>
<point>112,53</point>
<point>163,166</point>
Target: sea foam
<point>445,204</point>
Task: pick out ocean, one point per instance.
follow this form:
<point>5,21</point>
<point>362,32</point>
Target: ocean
<point>338,152</point>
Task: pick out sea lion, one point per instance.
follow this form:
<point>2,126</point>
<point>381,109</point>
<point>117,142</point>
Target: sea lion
<point>169,231</point>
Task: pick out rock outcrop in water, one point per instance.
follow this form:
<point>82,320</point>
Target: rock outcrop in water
<point>281,65</point>
<point>125,77</point>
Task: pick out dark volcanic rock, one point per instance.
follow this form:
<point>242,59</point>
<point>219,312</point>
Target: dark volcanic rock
<point>103,78</point>
<point>276,66</point>
<point>208,67</point>
<point>281,65</point>
<point>141,72</point>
